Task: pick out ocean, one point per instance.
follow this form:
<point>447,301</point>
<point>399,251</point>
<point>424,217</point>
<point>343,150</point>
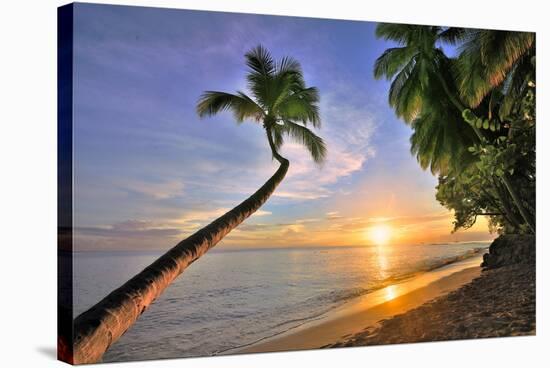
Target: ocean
<point>233,298</point>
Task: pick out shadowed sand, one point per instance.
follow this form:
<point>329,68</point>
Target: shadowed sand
<point>501,302</point>
<point>352,318</point>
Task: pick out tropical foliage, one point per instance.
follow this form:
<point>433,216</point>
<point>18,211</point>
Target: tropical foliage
<point>473,116</point>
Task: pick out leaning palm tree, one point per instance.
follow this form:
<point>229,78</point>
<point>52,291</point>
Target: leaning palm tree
<point>418,66</point>
<point>284,106</point>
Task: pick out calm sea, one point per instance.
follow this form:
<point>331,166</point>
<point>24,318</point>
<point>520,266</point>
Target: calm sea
<point>229,299</point>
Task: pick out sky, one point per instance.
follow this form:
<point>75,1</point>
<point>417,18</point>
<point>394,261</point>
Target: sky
<point>148,172</point>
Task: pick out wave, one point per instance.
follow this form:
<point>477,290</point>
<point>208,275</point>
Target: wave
<point>339,296</point>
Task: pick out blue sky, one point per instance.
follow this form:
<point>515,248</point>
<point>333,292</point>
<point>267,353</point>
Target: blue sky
<point>149,172</point>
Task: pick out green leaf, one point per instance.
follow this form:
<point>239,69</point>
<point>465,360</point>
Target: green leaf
<point>486,124</point>
<point>469,116</point>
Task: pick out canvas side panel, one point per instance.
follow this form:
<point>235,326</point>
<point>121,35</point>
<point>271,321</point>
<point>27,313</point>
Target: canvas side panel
<point>65,183</point>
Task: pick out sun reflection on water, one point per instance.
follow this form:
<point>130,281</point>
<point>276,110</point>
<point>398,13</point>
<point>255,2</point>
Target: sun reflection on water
<point>390,293</point>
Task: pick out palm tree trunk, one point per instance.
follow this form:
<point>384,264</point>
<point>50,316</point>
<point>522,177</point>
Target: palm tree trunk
<point>505,179</point>
<point>103,324</point>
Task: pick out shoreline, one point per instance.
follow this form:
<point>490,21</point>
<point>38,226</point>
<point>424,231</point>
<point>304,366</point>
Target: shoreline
<point>352,318</point>
<point>499,303</point>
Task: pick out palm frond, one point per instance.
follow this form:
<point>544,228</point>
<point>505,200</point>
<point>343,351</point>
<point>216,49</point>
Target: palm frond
<point>471,77</point>
<point>301,106</point>
<point>412,67</point>
<point>486,59</point>
<point>392,61</point>
<point>405,94</point>
<point>262,68</point>
<point>287,81</point>
<point>452,35</point>
<point>243,107</point>
<point>288,65</point>
<point>260,61</point>
<point>440,138</point>
<point>300,134</point>
<point>400,33</point>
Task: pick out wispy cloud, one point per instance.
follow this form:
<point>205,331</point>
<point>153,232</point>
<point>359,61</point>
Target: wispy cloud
<point>347,130</point>
<point>333,215</point>
<point>157,190</point>
<point>129,229</point>
<point>200,216</point>
<point>261,213</point>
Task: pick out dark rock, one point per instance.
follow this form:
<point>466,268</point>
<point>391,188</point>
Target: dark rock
<point>510,249</point>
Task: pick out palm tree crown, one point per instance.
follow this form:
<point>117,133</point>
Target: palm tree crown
<point>280,101</point>
<point>414,65</point>
<point>419,71</point>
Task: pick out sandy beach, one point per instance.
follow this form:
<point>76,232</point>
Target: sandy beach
<point>352,318</point>
<point>455,302</point>
<point>499,303</point>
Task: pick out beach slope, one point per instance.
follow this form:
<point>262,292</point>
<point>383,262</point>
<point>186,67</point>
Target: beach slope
<point>499,303</point>
<point>353,318</point>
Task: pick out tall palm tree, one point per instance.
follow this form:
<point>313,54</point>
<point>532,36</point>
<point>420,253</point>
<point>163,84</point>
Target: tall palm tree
<point>417,67</point>
<point>284,106</point>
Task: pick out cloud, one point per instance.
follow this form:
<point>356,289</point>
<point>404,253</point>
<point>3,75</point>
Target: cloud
<point>292,229</point>
<point>261,213</point>
<point>156,190</point>
<point>399,222</point>
<point>144,234</point>
<point>129,229</point>
<point>334,215</point>
<point>194,219</point>
<point>280,227</point>
<point>348,127</point>
<point>307,220</point>
<point>201,216</point>
<point>302,192</point>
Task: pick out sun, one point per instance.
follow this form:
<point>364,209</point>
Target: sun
<point>379,234</point>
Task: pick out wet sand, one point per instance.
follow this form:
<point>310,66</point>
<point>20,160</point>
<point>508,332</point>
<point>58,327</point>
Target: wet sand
<point>501,302</point>
<point>352,319</point>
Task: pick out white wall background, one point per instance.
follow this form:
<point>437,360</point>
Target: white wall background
<point>28,182</point>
